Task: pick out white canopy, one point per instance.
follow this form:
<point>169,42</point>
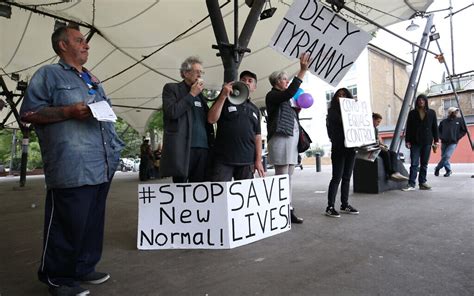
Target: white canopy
<point>165,31</point>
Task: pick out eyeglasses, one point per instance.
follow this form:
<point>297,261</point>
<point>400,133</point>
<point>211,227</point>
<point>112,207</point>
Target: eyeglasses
<point>198,72</point>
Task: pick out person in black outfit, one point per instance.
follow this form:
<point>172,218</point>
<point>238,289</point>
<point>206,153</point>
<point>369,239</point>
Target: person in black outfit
<point>146,161</point>
<point>342,158</point>
<point>451,130</point>
<point>421,133</point>
<point>389,157</point>
<point>238,145</point>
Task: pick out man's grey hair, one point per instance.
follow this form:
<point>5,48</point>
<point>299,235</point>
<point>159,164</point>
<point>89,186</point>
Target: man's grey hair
<point>60,34</point>
<point>276,76</point>
<point>188,63</point>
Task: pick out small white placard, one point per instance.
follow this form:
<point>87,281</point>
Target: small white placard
<point>102,111</point>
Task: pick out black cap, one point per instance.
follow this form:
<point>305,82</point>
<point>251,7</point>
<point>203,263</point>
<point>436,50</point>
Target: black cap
<point>248,73</point>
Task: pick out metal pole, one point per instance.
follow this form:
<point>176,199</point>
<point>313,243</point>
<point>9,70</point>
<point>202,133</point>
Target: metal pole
<point>13,151</point>
<point>24,155</point>
<point>451,28</point>
<point>232,54</point>
<point>456,96</point>
<point>411,89</point>
<point>387,30</point>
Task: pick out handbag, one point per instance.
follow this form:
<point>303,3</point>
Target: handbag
<point>304,141</point>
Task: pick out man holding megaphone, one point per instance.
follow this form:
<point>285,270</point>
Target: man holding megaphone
<point>238,144</point>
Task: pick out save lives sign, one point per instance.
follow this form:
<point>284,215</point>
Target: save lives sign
<point>212,215</point>
<point>333,43</point>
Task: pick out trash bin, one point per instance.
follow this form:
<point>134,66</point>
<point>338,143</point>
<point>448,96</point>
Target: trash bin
<point>318,161</point>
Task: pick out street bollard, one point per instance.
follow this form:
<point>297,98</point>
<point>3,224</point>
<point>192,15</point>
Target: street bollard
<point>318,162</point>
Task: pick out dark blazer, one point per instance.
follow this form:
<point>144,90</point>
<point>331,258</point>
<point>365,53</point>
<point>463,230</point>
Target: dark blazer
<point>178,127</point>
<point>421,132</point>
<point>281,116</point>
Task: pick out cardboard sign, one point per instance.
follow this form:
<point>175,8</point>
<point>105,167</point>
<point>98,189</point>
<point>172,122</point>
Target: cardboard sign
<point>212,215</point>
<point>357,122</point>
<point>333,43</point>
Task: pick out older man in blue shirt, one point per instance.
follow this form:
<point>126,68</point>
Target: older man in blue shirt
<point>80,156</point>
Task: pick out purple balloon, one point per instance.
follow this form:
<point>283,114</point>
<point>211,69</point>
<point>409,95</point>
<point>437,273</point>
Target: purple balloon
<point>305,100</point>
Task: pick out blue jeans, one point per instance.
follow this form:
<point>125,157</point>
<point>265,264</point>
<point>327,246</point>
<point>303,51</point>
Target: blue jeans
<point>447,151</point>
<point>342,166</point>
<point>419,156</point>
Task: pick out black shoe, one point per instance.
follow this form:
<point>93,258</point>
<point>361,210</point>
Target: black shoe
<point>349,210</point>
<point>436,173</point>
<point>68,291</point>
<point>448,173</point>
<point>331,212</point>
<point>95,278</point>
<point>295,219</point>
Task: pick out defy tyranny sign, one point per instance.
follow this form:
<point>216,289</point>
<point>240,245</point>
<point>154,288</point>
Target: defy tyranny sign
<point>333,43</point>
<point>212,215</point>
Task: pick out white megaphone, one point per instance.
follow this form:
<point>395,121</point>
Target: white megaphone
<point>240,93</point>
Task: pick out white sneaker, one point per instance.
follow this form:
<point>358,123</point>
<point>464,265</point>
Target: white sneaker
<point>409,188</point>
<point>398,177</point>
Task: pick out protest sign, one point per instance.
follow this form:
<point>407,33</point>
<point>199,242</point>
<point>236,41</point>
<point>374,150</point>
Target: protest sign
<point>333,43</point>
<point>357,122</point>
<point>212,215</point>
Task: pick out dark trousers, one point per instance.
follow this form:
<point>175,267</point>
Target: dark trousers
<point>224,172</point>
<point>198,167</point>
<point>342,166</point>
<point>73,233</point>
<point>390,159</point>
<point>419,157</point>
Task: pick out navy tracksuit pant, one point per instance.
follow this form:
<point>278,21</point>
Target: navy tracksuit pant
<point>73,233</point>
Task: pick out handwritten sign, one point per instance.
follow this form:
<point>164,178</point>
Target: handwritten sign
<point>333,43</point>
<point>212,215</point>
<point>357,122</point>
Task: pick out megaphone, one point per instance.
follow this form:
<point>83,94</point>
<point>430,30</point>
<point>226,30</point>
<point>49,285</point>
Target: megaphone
<point>240,93</point>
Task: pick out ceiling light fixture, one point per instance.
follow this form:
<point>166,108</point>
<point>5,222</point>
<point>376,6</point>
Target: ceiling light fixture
<point>267,13</point>
<point>5,10</point>
<point>412,26</point>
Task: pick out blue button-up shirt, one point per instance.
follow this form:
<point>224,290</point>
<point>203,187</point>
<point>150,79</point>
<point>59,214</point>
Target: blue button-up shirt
<point>75,152</point>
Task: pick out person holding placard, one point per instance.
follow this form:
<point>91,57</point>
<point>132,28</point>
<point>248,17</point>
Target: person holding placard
<point>342,158</point>
<point>80,156</point>
<point>420,135</point>
<point>187,136</point>
<point>282,124</point>
<point>238,145</point>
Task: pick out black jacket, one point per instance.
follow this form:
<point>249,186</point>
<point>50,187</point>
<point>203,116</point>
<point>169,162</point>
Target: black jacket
<point>281,116</point>
<point>451,130</point>
<point>421,132</point>
<point>335,127</point>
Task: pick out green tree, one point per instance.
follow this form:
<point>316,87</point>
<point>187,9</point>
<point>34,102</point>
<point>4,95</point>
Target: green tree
<point>312,152</point>
<point>131,138</point>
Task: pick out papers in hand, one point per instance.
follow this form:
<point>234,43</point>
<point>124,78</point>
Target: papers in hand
<point>102,111</point>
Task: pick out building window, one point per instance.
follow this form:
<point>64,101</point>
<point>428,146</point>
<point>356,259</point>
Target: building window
<point>472,101</point>
<point>449,102</point>
<point>353,90</point>
<point>329,95</point>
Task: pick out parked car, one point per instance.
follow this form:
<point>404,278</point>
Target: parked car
<point>125,165</point>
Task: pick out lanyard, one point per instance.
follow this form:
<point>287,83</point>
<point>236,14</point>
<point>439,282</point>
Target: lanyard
<point>90,84</point>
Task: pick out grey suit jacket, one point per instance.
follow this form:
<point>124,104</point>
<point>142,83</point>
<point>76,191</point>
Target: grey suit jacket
<point>178,126</point>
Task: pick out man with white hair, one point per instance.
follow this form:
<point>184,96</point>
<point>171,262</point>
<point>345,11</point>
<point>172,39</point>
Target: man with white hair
<point>187,137</point>
<point>451,130</point>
